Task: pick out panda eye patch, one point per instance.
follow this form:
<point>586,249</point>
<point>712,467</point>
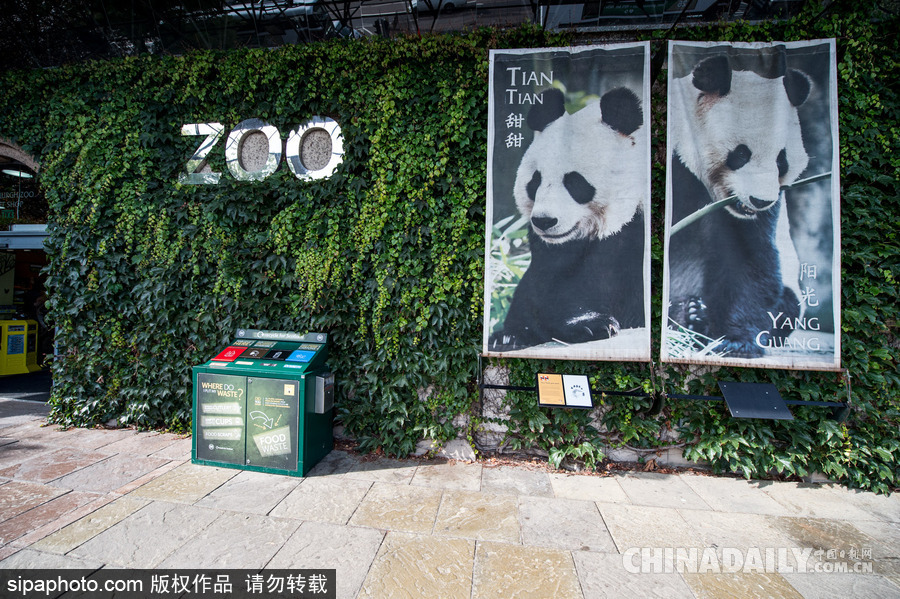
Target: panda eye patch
<point>782,163</point>
<point>738,157</point>
<point>578,187</point>
<point>532,187</point>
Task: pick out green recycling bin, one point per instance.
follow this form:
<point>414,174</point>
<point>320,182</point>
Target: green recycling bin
<point>265,403</point>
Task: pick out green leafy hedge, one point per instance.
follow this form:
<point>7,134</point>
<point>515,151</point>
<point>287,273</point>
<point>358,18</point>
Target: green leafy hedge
<point>149,277</point>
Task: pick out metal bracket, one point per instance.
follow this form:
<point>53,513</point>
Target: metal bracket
<point>744,400</point>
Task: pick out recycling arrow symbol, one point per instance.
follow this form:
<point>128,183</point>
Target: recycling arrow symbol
<point>267,421</point>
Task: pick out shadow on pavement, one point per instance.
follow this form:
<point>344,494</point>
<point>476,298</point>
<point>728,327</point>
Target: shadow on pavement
<point>31,387</point>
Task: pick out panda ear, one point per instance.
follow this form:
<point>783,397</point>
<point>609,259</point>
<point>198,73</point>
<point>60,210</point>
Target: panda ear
<point>620,108</point>
<point>797,86</point>
<point>552,107</point>
<point>713,76</point>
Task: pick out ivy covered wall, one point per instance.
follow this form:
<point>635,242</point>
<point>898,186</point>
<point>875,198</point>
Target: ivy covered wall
<point>148,277</point>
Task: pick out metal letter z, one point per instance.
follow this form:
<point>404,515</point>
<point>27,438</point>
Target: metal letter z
<point>213,133</point>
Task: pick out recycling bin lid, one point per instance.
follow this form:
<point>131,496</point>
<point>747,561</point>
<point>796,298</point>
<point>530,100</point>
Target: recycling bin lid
<point>271,352</point>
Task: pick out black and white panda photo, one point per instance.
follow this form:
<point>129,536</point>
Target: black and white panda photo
<point>580,192</point>
<point>746,279</point>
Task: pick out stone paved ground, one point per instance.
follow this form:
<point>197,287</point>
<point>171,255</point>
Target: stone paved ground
<point>117,498</point>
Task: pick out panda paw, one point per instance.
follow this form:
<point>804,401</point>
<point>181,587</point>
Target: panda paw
<point>591,327</point>
<point>612,327</point>
<point>500,342</point>
<point>690,313</point>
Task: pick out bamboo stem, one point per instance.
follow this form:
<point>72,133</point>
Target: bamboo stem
<point>692,218</point>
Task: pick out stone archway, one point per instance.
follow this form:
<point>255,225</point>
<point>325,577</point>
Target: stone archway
<point>13,152</point>
<point>20,188</point>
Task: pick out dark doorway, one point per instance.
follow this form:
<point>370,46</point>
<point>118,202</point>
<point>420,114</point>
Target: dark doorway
<point>24,364</point>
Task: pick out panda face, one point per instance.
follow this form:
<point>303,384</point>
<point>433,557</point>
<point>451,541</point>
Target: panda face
<point>742,134</point>
<point>582,178</point>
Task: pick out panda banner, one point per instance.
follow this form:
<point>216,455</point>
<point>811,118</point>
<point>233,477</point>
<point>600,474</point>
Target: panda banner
<point>568,190</point>
<point>752,270</point>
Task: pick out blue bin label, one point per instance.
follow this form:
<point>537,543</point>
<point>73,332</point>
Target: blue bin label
<point>301,356</point>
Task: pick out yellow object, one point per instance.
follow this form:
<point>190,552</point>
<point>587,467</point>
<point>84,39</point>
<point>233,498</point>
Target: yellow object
<point>18,347</point>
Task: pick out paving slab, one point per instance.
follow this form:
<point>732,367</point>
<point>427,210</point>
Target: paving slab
<point>824,535</point>
<point>882,507</point>
<point>8,550</point>
<point>460,476</point>
<point>516,481</point>
<point>605,489</point>
<point>384,470</point>
<point>726,494</point>
<point>22,450</point>
<point>17,497</point>
<point>512,571</point>
<point>29,559</point>
<point>179,450</point>
<point>52,465</point>
<point>148,536</point>
<point>42,529</point>
<point>563,524</point>
<point>886,536</point>
<point>250,492</point>
<point>480,516</point>
<point>233,541</point>
<point>646,526</point>
<point>890,570</point>
<point>146,478</point>
<point>398,507</point>
<point>11,427</point>
<point>347,549</point>
<point>741,533</point>
<point>93,439</point>
<point>81,531</point>
<point>413,566</point>
<point>82,439</point>
<point>741,586</point>
<point>814,586</point>
<point>336,463</point>
<point>323,499</point>
<point>49,434</point>
<point>187,483</point>
<point>604,576</point>
<point>37,428</point>
<point>56,508</point>
<point>815,501</point>
<point>109,474</point>
<point>661,490</point>
<point>141,443</point>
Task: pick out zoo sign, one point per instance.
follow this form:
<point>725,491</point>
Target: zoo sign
<point>310,136</point>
